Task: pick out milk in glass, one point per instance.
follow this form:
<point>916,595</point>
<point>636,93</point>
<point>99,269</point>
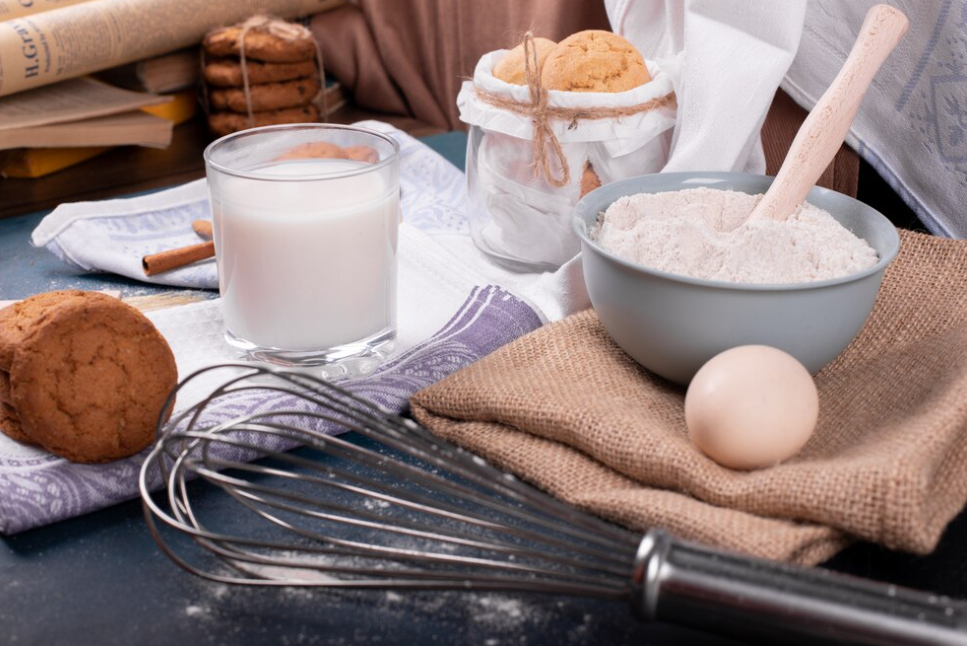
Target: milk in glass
<point>306,253</point>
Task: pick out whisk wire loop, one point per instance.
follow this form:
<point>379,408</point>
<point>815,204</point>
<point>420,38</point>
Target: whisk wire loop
<point>389,505</point>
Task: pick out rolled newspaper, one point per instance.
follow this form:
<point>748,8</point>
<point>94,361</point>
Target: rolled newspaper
<point>91,36</point>
<point>29,7</point>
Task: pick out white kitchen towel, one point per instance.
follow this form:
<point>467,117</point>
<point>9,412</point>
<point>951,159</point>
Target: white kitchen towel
<point>726,59</point>
<point>114,235</point>
<point>912,124</point>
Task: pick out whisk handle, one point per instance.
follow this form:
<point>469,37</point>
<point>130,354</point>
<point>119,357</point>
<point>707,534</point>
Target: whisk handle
<point>707,589</point>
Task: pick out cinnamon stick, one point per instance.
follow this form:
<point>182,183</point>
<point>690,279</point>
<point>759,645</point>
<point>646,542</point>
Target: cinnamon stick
<point>158,263</point>
<point>203,228</point>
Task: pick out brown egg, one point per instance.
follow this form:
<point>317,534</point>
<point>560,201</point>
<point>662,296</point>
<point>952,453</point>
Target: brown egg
<point>751,407</point>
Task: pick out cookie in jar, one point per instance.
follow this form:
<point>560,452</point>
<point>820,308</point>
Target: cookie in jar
<point>548,123</point>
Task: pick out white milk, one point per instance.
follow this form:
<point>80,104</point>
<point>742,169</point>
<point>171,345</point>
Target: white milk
<point>311,264</point>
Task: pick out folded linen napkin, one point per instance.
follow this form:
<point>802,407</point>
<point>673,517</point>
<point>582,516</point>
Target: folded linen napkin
<point>566,409</point>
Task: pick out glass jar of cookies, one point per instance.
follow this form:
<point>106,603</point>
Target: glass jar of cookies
<point>550,122</point>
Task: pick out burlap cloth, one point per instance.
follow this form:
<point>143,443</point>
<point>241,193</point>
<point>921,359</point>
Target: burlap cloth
<point>567,410</point>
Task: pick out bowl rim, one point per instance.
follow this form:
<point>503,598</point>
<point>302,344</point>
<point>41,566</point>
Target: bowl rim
<point>578,224</point>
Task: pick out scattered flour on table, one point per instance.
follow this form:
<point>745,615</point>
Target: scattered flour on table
<point>499,609</point>
<point>701,232</point>
<point>195,611</point>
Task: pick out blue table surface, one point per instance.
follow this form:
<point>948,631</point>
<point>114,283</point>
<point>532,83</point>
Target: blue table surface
<point>100,579</point>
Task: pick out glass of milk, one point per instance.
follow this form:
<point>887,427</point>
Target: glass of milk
<point>305,222</point>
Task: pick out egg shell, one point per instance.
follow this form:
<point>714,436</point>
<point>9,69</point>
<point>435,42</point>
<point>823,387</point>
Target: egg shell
<point>751,407</point>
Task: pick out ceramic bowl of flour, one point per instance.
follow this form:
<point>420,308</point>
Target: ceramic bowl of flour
<point>672,323</point>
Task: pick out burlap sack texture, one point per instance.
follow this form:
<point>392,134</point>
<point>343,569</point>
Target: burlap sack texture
<point>567,410</point>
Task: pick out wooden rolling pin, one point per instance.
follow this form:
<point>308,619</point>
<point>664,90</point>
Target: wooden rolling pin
<point>163,261</point>
<point>823,131</point>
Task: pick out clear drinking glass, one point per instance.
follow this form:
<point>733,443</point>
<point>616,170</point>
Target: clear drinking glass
<point>305,226</point>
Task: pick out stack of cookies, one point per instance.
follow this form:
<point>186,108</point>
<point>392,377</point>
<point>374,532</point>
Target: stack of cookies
<point>82,375</point>
<point>280,62</point>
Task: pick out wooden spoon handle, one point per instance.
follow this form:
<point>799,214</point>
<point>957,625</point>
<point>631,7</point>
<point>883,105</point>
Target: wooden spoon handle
<point>823,131</point>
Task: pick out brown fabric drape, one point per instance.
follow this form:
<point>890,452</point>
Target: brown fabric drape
<point>410,57</point>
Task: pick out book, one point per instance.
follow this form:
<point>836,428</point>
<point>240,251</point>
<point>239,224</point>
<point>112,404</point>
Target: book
<point>182,107</point>
<point>335,96</point>
<point>129,128</point>
<point>161,74</point>
<point>81,113</point>
<point>73,100</point>
<point>38,162</point>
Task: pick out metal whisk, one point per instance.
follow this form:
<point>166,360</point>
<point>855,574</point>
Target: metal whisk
<point>394,507</point>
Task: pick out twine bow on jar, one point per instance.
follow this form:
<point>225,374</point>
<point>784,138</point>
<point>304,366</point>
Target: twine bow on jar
<point>548,151</point>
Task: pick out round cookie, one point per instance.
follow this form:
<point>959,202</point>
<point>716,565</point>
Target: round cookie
<point>89,380</point>
<point>10,425</point>
<point>5,394</point>
<point>18,319</point>
<point>326,150</point>
<point>263,43</point>
<point>227,72</point>
<point>314,150</point>
<point>366,154</point>
<point>223,123</point>
<point>594,61</point>
<point>268,96</point>
<point>512,68</point>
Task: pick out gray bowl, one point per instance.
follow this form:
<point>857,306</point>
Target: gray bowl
<point>673,324</point>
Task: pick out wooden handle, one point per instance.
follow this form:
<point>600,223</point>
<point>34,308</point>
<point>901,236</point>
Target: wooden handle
<point>823,131</point>
<point>203,228</point>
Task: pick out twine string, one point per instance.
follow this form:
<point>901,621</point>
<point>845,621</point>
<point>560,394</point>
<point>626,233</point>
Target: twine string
<point>285,31</point>
<point>251,23</point>
<point>547,147</point>
<point>544,137</point>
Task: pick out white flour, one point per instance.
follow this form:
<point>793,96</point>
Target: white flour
<point>699,232</point>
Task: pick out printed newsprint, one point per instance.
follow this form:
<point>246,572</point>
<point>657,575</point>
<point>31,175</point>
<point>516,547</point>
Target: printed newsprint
<point>91,36</point>
<point>17,8</point>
